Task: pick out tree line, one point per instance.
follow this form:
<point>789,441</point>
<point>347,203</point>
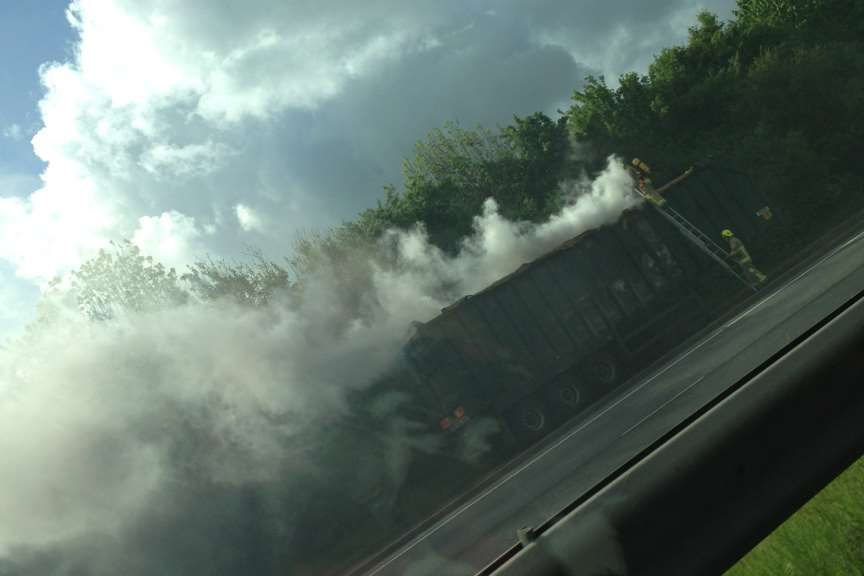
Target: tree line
<point>776,92</point>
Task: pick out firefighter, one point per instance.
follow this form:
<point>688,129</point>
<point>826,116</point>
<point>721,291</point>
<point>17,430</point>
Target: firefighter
<point>641,173</point>
<point>742,257</point>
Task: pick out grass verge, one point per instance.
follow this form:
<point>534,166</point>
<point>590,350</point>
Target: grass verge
<point>825,536</point>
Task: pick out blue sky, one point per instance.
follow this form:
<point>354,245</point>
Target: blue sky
<point>31,32</point>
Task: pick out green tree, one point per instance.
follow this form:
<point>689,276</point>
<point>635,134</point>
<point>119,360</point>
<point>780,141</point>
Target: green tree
<point>447,179</point>
<point>617,120</point>
<point>775,92</point>
<point>123,279</point>
<point>253,283</point>
<point>449,176</point>
<point>817,16</point>
<point>540,150</point>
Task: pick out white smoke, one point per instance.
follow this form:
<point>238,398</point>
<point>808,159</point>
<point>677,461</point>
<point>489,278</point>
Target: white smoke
<point>499,246</point>
<point>130,427</point>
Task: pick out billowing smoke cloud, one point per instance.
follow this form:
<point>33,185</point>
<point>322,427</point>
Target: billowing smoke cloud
<point>170,425</point>
<point>206,438</point>
<point>499,246</point>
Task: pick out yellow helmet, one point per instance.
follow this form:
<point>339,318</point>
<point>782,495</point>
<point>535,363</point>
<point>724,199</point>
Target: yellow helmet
<point>727,233</point>
<point>641,166</point>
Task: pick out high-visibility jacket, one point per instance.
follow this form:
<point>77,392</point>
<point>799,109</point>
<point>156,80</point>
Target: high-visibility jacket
<point>738,251</point>
<point>740,254</point>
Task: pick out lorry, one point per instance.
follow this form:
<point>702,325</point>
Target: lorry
<point>554,336</point>
<point>527,353</point>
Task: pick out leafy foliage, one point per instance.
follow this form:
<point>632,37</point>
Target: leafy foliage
<point>252,284</point>
<point>123,279</point>
<point>822,18</point>
<point>776,93</point>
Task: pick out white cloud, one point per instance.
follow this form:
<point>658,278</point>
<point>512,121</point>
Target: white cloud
<point>189,160</point>
<point>248,218</point>
<point>13,132</point>
<point>57,225</point>
<point>171,238</point>
<point>149,117</point>
<point>136,123</point>
<point>136,53</point>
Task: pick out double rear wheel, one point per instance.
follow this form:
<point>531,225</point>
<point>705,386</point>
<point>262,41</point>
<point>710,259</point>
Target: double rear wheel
<point>536,415</point>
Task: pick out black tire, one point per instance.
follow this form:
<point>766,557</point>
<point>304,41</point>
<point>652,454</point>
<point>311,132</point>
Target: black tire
<point>529,420</point>
<point>602,371</point>
<point>567,395</point>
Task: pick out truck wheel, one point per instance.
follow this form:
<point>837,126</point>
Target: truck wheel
<point>602,370</point>
<point>529,420</point>
<point>566,396</point>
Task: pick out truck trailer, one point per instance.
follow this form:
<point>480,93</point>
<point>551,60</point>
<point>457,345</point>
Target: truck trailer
<point>547,340</point>
<point>534,349</point>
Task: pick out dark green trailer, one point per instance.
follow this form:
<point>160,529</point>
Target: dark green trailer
<point>533,349</point>
<point>547,340</point>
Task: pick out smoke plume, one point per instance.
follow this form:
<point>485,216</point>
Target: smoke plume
<point>199,439</point>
